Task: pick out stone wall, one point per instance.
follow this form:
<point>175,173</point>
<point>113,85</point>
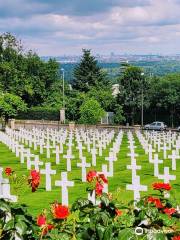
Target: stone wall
<point>43,124</point>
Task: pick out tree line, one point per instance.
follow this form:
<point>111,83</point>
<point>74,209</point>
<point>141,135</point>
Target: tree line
<point>31,87</point>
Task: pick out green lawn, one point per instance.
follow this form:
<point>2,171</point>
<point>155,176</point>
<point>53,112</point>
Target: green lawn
<point>41,199</point>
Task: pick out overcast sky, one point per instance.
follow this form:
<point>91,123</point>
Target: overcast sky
<point>56,27</point>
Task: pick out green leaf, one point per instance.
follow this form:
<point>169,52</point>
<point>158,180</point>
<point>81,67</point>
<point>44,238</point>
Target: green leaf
<point>21,227</point>
<point>9,225</point>
<point>4,206</point>
<point>156,236</point>
<point>108,234</point>
<point>105,200</point>
<point>126,234</point>
<point>168,221</point>
<point>100,232</point>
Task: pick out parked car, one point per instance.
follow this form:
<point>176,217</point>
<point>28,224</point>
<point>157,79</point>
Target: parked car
<point>178,129</point>
<point>155,126</point>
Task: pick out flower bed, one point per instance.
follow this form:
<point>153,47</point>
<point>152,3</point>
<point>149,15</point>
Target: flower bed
<point>153,217</point>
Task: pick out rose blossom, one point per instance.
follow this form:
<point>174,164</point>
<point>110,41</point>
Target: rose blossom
<point>59,211</point>
<point>8,171</point>
<point>161,186</point>
<point>169,211</point>
<point>91,175</point>
<point>156,201</point>
<point>176,238</point>
<point>41,220</point>
<point>98,189</point>
<point>103,178</point>
<point>34,180</point>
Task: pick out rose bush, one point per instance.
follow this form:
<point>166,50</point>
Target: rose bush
<point>152,218</point>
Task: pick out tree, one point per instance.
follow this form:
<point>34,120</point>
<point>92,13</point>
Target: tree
<point>87,73</point>
<point>164,95</point>
<point>10,105</point>
<point>25,74</point>
<point>119,114</point>
<point>132,83</point>
<point>103,96</point>
<point>91,112</point>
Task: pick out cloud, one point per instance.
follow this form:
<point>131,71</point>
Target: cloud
<point>59,26</point>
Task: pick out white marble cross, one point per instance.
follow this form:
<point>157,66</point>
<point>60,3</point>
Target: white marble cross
<point>136,187</point>
<point>36,163</point>
<point>167,177</point>
<point>93,152</point>
<point>165,151</point>
<point>64,184</point>
<point>83,166</point>
<point>173,157</point>
<point>57,152</point>
<point>5,189</point>
<point>133,167</point>
<point>48,152</point>
<point>2,180</point>
<point>105,171</point>
<point>68,158</point>
<point>80,148</point>
<point>132,154</point>
<point>156,162</point>
<point>111,160</point>
<point>48,172</point>
<point>150,153</point>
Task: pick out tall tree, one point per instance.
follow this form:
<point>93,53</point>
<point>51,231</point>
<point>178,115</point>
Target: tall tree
<point>88,73</point>
<point>25,74</point>
<point>132,86</point>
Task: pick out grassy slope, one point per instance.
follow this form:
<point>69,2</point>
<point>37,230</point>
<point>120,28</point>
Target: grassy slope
<point>41,199</point>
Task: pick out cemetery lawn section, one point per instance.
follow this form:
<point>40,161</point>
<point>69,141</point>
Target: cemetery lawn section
<point>41,199</point>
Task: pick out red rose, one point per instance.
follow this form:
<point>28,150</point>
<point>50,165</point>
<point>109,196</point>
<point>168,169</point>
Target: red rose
<point>103,178</point>
<point>118,212</point>
<point>41,220</point>
<point>161,186</point>
<point>99,189</point>
<point>169,211</point>
<point>91,175</point>
<point>34,180</point>
<point>59,211</point>
<point>156,201</point>
<point>176,238</point>
<point>8,171</point>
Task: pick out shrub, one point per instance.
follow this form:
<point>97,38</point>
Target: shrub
<point>91,112</point>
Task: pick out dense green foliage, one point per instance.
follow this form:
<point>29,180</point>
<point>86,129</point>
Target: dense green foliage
<point>25,74</point>
<point>15,222</point>
<point>10,105</point>
<point>87,73</point>
<point>91,112</point>
<point>39,84</point>
<point>154,217</point>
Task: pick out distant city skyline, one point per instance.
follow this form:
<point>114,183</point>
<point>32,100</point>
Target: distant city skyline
<point>64,27</point>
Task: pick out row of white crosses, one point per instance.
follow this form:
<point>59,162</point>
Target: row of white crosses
<point>136,186</point>
<point>48,171</point>
<point>153,158</point>
<point>32,160</point>
<point>173,157</point>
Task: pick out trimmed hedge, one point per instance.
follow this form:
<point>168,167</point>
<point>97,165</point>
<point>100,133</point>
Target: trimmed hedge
<point>40,113</point>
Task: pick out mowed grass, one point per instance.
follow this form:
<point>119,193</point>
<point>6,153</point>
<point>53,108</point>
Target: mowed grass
<point>41,199</point>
